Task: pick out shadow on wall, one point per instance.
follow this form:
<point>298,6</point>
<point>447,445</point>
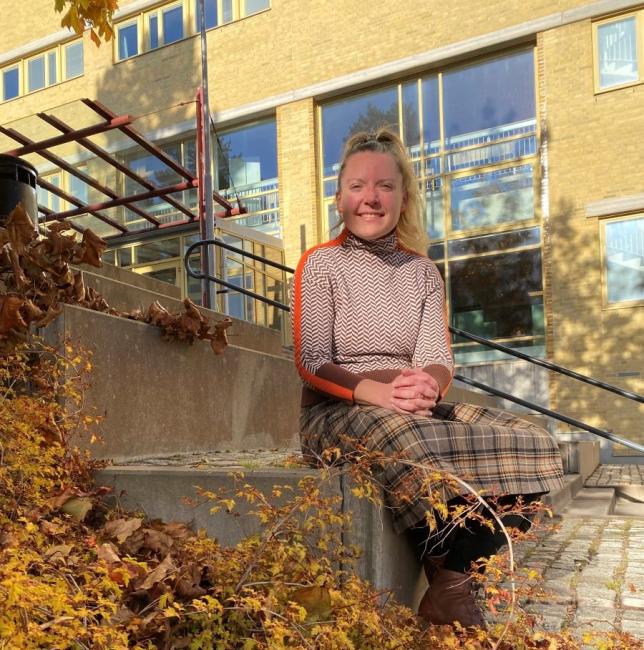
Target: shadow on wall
<point>586,335</point>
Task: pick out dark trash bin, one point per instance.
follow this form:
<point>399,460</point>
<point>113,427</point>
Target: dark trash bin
<point>17,185</point>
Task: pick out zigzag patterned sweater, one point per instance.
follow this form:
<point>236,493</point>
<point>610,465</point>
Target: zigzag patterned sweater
<point>366,309</point>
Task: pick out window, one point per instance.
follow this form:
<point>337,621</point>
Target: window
<point>623,241</point>
<point>128,40</point>
<point>246,166</point>
<point>45,69</point>
<point>176,20</point>
<point>471,133</point>
<point>73,60</point>
<point>10,82</point>
<point>618,57</point>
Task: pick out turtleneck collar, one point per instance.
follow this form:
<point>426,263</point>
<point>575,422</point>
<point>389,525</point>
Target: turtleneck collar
<point>383,244</point>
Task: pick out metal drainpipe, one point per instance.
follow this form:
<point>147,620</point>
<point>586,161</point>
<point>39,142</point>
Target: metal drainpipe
<point>208,290</point>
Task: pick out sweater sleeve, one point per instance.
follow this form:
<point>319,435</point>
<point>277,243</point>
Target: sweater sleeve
<point>433,352</point>
<point>312,314</point>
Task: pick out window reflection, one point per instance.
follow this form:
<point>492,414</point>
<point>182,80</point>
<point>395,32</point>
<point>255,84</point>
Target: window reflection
<point>625,260</point>
<point>489,100</point>
<point>363,113</point>
<point>498,296</point>
<point>492,198</point>
<point>617,45</point>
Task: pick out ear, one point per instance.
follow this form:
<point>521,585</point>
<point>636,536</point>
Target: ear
<point>337,201</point>
<point>403,206</point>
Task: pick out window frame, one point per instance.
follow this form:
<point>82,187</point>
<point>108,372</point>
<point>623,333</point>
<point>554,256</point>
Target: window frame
<point>136,21</point>
<point>62,60</point>
<point>14,66</point>
<point>189,23</point>
<point>22,66</point>
<point>603,222</point>
<point>639,43</point>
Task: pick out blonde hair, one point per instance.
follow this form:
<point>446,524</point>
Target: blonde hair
<point>410,231</point>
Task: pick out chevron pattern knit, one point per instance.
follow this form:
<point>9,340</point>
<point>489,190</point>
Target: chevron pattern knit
<point>367,309</point>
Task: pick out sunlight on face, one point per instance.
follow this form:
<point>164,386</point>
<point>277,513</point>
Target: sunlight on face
<point>371,197</point>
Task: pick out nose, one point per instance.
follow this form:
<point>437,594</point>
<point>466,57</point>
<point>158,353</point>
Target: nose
<point>371,195</point>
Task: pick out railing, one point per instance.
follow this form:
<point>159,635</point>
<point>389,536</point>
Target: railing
<point>609,435</point>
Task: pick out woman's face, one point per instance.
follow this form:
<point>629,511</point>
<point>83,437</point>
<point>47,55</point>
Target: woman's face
<point>371,196</point>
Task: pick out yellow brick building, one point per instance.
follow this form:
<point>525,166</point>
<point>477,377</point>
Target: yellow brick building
<point>524,120</point>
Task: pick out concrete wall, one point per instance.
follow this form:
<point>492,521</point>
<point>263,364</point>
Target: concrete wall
<point>162,397</point>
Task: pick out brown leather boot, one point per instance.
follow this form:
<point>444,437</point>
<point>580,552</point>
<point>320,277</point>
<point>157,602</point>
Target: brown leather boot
<point>431,564</point>
<point>449,598</point>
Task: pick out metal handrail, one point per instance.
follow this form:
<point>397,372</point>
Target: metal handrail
<point>472,382</point>
<point>549,365</point>
<point>553,414</point>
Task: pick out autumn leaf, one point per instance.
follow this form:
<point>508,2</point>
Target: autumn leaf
<point>107,553</point>
<point>90,249</point>
<point>10,317</point>
<point>160,573</point>
<point>316,600</point>
<point>51,314</point>
<point>219,340</point>
<point>20,229</point>
<point>77,507</point>
<point>121,529</point>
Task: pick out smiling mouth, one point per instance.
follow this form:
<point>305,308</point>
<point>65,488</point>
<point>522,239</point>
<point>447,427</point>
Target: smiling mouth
<point>371,215</point>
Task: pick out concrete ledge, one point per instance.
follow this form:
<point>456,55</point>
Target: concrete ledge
<point>170,397</point>
<point>579,456</point>
<point>125,290</point>
<point>558,501</point>
<point>388,561</point>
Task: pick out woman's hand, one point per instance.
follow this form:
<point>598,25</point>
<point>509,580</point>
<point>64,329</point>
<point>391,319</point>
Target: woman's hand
<point>414,391</point>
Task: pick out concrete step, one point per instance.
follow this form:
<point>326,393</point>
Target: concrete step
<point>161,397</point>
<point>591,502</point>
<point>629,501</point>
<point>125,291</point>
<point>558,500</point>
<point>388,561</point>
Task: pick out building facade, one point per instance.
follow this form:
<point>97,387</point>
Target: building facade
<point>523,121</point>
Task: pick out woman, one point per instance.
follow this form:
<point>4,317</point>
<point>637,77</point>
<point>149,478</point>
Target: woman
<point>373,350</point>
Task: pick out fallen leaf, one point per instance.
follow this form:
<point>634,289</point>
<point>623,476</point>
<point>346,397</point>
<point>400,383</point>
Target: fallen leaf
<point>121,529</point>
<point>107,553</point>
<point>316,600</point>
<point>20,229</point>
<point>10,316</point>
<point>160,573</point>
<point>219,339</point>
<point>91,249</point>
<point>58,552</point>
<point>77,507</point>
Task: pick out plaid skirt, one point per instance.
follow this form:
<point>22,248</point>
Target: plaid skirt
<point>494,451</point>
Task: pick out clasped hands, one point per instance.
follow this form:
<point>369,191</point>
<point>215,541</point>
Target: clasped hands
<point>414,391</point>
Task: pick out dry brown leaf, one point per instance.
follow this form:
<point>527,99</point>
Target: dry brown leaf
<point>156,313</point>
<point>188,582</point>
<point>77,507</point>
<point>91,249</point>
<point>219,339</point>
<point>79,287</point>
<point>4,237</point>
<point>316,600</point>
<point>51,314</point>
<point>53,528</point>
<point>20,229</point>
<point>121,529</point>
<point>158,541</point>
<point>18,272</point>
<point>160,573</point>
<point>30,311</point>
<point>108,554</point>
<point>58,226</point>
<point>10,317</point>
<point>58,552</point>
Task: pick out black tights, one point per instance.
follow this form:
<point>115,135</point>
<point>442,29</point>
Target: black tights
<point>466,544</point>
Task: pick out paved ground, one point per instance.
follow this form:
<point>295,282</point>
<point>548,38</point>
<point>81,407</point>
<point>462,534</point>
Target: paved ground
<point>593,565</point>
